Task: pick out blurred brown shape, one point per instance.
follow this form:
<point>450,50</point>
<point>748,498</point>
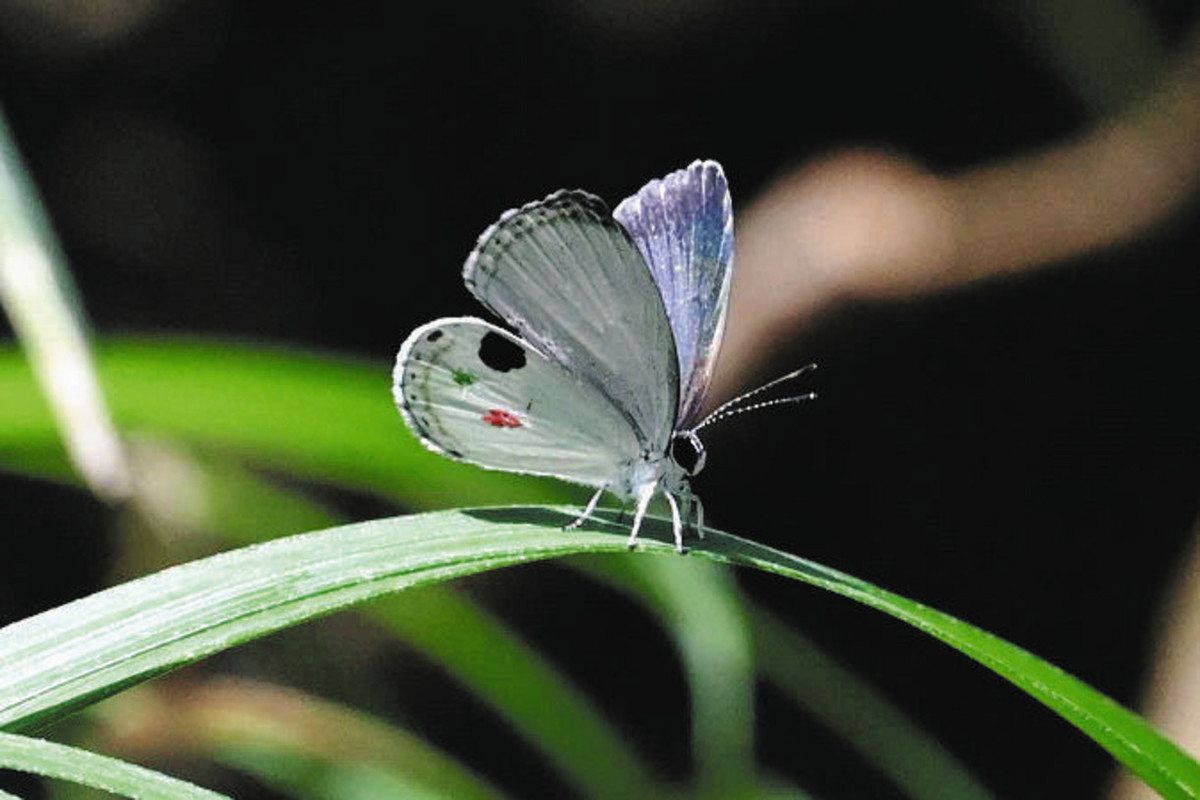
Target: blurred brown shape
<point>64,27</point>
<point>870,225</point>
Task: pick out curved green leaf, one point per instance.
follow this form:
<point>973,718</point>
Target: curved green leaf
<point>75,654</point>
<point>101,772</point>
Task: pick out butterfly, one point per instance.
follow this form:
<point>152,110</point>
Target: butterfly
<point>618,318</point>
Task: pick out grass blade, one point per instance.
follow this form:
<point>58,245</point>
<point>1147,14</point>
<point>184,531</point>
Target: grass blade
<point>550,712</point>
<point>79,766</point>
<point>39,296</point>
<point>71,656</point>
<point>446,627</point>
<point>269,730</point>
<point>843,702</point>
<point>701,607</point>
<point>857,712</point>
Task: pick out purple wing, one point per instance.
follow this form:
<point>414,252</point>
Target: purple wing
<point>683,225</point>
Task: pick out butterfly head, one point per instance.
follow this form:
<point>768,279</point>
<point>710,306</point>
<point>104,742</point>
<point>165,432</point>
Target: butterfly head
<point>687,452</point>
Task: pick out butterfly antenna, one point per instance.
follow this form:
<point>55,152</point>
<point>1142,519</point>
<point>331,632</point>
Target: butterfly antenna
<point>727,409</point>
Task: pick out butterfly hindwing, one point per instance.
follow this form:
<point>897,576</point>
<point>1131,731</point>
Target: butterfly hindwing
<point>473,391</point>
<point>683,225</point>
<point>568,277</point>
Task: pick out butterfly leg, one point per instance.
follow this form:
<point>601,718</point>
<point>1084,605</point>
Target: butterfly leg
<point>689,503</point>
<point>643,502</point>
<point>699,514</point>
<point>587,512</point>
<point>676,522</point>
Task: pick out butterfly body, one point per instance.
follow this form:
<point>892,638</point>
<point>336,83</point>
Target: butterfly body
<point>617,317</point>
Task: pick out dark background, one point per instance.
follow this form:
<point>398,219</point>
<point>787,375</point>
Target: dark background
<point>1023,454</point>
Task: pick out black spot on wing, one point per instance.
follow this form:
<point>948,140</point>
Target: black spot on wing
<point>434,336</point>
<point>499,353</point>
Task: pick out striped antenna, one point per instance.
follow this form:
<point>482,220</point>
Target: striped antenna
<point>729,408</point>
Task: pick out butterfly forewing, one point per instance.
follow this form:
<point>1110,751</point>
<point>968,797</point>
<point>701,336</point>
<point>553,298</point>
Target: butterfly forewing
<point>571,281</point>
<point>475,392</point>
<point>683,225</point>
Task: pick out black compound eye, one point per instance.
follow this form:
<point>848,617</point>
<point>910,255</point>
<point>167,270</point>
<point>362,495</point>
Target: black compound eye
<point>500,353</point>
<point>687,453</point>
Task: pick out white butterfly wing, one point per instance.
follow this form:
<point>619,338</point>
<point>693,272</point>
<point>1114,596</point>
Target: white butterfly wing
<point>571,281</point>
<point>683,225</point>
<point>475,392</point>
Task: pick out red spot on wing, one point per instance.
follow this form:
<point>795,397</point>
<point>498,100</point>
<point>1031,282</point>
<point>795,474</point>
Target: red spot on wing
<point>499,418</point>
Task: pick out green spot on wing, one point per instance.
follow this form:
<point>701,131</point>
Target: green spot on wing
<point>463,378</point>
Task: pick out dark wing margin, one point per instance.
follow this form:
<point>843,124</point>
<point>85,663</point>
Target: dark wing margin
<point>474,392</point>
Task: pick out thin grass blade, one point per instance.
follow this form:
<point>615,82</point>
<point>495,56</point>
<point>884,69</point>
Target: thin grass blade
<point>860,714</point>
<point>53,760</point>
<point>39,296</point>
<point>701,608</point>
<point>546,709</point>
<point>282,735</point>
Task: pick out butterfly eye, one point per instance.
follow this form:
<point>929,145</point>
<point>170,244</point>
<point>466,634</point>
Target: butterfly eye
<point>688,453</point>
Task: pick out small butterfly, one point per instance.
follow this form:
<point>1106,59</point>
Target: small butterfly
<point>619,316</point>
